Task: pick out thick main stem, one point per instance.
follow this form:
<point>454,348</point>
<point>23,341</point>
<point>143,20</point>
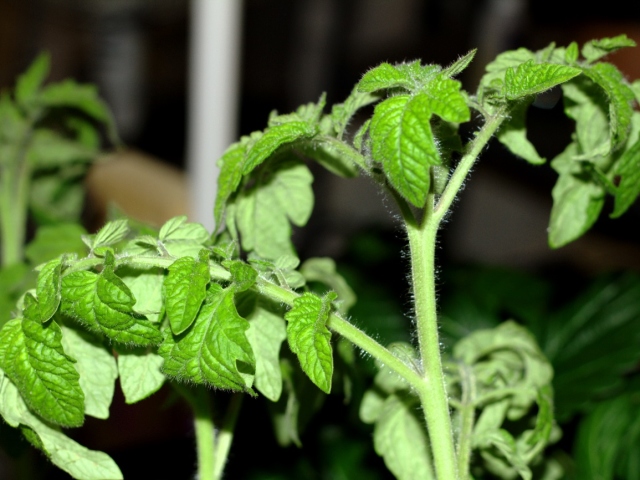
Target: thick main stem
<point>205,433</point>
<point>422,239</point>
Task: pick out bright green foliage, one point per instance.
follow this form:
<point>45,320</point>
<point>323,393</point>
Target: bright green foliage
<point>266,333</point>
<point>530,78</point>
<point>48,290</point>
<point>104,304</point>
<point>140,373</point>
<point>31,354</point>
<point>401,440</point>
<point>513,135</point>
<point>262,214</point>
<point>110,234</point>
<point>596,49</point>
<point>76,460</point>
<point>214,350</point>
<point>243,275</point>
<point>146,287</point>
<point>96,367</point>
<point>178,237</point>
<point>324,270</point>
<point>52,241</point>
<point>628,170</point>
<point>310,339</point>
<point>382,77</point>
<point>184,290</point>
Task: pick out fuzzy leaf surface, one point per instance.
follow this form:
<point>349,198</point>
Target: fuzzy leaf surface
<point>513,135</point>
<point>310,339</point>
<point>66,454</point>
<point>48,290</point>
<point>184,290</point>
<point>264,212</point>
<point>140,374</point>
<point>146,287</point>
<point>243,275</point>
<point>382,77</point>
<point>181,238</point>
<point>324,270</point>
<point>403,142</point>
<point>531,78</point>
<point>274,138</point>
<point>110,234</point>
<point>214,349</point>
<point>596,49</point>
<point>266,333</point>
<point>231,166</point>
<point>104,304</point>
<point>96,367</point>
<point>32,356</point>
<point>401,440</point>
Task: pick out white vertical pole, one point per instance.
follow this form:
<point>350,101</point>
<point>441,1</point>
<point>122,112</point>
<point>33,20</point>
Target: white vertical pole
<point>213,97</point>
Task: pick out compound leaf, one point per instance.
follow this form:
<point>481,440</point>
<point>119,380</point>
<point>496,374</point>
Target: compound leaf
<point>403,142</point>
<point>530,78</point>
<point>184,290</point>
<point>96,367</point>
<point>31,354</point>
<point>104,303</point>
<point>214,350</point>
<point>140,373</point>
<point>400,439</point>
<point>310,339</point>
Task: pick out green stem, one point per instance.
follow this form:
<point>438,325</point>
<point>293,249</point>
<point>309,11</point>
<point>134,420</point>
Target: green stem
<point>205,432</point>
<point>422,239</point>
<point>225,436</point>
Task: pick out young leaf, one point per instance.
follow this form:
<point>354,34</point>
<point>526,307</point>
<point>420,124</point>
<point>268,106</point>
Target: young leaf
<point>310,339</point>
<point>110,234</point>
<point>596,49</point>
<point>51,241</point>
<point>96,367</point>
<point>324,270</point>
<point>459,65</point>
<point>577,201</point>
<point>621,97</point>
<point>263,213</point>
<point>66,454</point>
<point>49,149</point>
<point>572,53</point>
<point>32,356</point>
<point>180,238</point>
<point>400,439</point>
<point>266,333</point>
<point>214,350</point>
<point>243,275</point>
<point>105,305</point>
<point>334,155</point>
<point>513,135</point>
<point>231,165</point>
<point>403,142</point>
<point>342,113</point>
<point>184,289</point>
<point>531,78</point>
<point>29,82</point>
<point>273,138</point>
<point>628,169</point>
<point>48,289</point>
<point>140,374</point>
<point>382,77</point>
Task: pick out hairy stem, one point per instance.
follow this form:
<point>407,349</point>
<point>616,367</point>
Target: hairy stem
<point>225,436</point>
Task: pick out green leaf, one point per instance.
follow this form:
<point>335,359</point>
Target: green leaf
<point>73,458</point>
<point>400,439</point>
<point>273,138</point>
<point>96,367</point>
<point>384,76</point>
<point>620,96</point>
<point>628,170</point>
<point>180,238</point>
<point>403,142</point>
<point>48,149</point>
<point>264,212</point>
<point>140,373</point>
<point>531,78</point>
<point>57,198</point>
<point>146,287</point>
<point>572,53</point>
<point>596,49</point>
<point>310,339</point>
<point>32,356</point>
<point>342,113</point>
<point>184,290</point>
<point>110,234</point>
<point>334,155</point>
<point>324,270</point>
<point>231,165</point>
<point>459,65</point>
<point>48,290</point>
<point>266,333</point>
<point>51,241</point>
<point>214,350</point>
<point>496,70</point>
<point>577,201</point>
<point>513,135</point>
<point>243,275</point>
<point>104,304</point>
<point>29,82</point>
